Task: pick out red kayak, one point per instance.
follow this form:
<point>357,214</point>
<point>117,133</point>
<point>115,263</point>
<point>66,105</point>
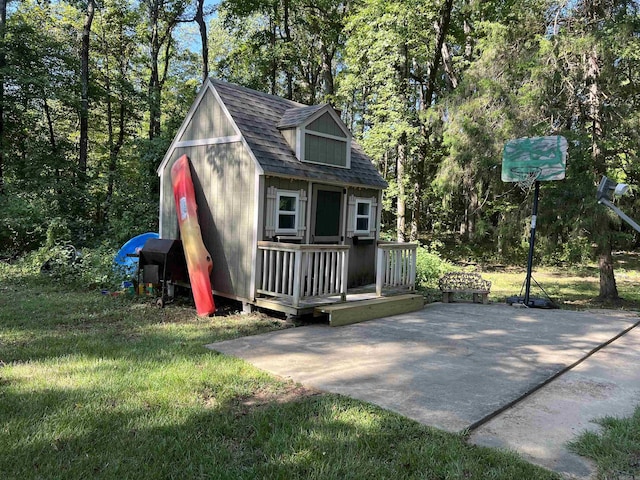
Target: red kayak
<point>199,263</point>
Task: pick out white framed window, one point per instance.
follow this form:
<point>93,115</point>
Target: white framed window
<point>287,212</point>
<point>362,216</point>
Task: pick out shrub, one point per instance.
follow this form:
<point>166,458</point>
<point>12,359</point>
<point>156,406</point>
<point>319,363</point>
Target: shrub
<point>22,222</point>
<point>429,268</point>
<point>62,263</point>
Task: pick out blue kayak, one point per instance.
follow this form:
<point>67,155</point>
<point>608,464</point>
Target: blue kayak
<point>129,263</point>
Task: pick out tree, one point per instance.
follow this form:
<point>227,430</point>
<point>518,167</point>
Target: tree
<point>3,21</point>
<point>84,84</point>
<point>163,17</point>
<point>604,31</point>
<point>199,18</point>
<point>287,47</point>
<point>394,57</point>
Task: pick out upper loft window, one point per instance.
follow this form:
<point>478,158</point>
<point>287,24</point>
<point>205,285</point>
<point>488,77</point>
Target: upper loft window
<point>317,135</point>
<point>325,142</point>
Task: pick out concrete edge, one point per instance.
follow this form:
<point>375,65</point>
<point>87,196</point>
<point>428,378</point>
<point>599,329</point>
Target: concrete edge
<point>562,371</point>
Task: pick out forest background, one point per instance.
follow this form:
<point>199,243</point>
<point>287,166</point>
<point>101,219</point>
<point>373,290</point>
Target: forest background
<point>93,91</point>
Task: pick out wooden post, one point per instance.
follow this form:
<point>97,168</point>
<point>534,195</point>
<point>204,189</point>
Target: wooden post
<point>345,276</point>
<point>297,276</point>
<point>412,268</point>
<point>380,271</point>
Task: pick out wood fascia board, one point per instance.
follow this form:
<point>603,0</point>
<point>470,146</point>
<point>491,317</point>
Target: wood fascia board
<point>194,106</point>
<point>160,224</point>
<point>208,141</point>
<point>326,182</point>
<point>379,216</point>
<point>258,228</point>
<point>310,202</point>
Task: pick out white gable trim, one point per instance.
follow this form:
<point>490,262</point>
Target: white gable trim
<point>301,132</point>
<point>328,109</point>
<point>206,86</point>
<point>208,141</point>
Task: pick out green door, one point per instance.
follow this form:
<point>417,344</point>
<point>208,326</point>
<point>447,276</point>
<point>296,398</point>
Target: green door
<point>327,211</point>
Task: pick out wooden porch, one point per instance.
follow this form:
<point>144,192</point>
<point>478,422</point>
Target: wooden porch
<point>303,279</point>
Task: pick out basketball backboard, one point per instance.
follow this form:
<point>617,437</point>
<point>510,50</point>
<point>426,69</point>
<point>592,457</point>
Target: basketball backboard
<point>544,157</point>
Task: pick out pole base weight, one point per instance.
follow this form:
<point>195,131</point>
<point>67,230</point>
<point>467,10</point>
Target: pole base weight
<point>533,302</point>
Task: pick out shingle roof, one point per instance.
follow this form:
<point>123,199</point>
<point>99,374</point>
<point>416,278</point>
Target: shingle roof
<point>258,116</point>
<point>297,115</point>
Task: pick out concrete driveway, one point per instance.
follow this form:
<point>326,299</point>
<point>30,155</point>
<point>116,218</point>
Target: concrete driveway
<point>448,365</point>
<point>451,366</point>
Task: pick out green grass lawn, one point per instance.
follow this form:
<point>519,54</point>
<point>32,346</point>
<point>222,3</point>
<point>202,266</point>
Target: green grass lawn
<point>95,386</point>
<point>616,448</point>
<point>571,288</point>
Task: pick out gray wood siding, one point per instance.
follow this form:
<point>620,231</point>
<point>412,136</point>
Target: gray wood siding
<point>280,184</point>
<point>362,256</point>
<point>208,121</point>
<point>326,124</point>
<point>224,181</point>
<point>290,136</point>
<point>325,150</point>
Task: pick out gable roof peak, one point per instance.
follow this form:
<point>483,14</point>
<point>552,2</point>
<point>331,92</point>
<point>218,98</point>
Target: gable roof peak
<point>259,117</point>
<point>296,116</point>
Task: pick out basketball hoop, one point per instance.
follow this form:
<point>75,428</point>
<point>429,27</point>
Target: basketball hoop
<point>527,162</point>
<point>525,176</point>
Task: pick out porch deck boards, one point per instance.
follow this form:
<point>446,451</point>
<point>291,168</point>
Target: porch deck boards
<point>362,310</point>
<point>358,294</point>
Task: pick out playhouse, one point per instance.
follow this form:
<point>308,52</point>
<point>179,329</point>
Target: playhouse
<point>288,204</point>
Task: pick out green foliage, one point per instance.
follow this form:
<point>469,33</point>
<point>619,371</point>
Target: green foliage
<point>507,69</point>
<point>63,264</point>
<point>430,267</point>
<point>22,224</point>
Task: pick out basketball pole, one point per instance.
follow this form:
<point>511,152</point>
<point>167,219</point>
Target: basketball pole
<point>532,241</point>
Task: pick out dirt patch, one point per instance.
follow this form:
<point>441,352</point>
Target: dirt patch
<point>265,396</point>
<point>289,393</point>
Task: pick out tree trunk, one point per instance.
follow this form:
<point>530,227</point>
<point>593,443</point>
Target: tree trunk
<point>327,71</point>
<point>415,214</point>
<point>427,97</point>
<point>274,66</point>
<point>470,205</point>
<point>446,62</point>
<point>287,38</point>
<point>53,143</point>
<point>202,25</point>
<point>154,76</point>
<point>442,28</point>
<point>608,289</point>
<point>3,21</point>
<point>402,195</point>
<point>84,87</point>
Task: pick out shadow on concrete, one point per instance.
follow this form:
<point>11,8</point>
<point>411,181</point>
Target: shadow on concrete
<point>450,366</point>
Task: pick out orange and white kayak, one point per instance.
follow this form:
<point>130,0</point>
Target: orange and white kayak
<point>199,263</point>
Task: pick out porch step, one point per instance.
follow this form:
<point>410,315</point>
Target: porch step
<point>354,312</point>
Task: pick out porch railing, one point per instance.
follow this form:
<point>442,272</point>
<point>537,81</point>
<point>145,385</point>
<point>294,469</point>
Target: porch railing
<point>396,266</point>
<point>300,272</point>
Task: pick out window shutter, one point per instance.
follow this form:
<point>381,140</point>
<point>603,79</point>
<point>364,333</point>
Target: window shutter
<point>351,216</point>
<point>373,217</point>
<point>270,220</point>
<point>302,213</point>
